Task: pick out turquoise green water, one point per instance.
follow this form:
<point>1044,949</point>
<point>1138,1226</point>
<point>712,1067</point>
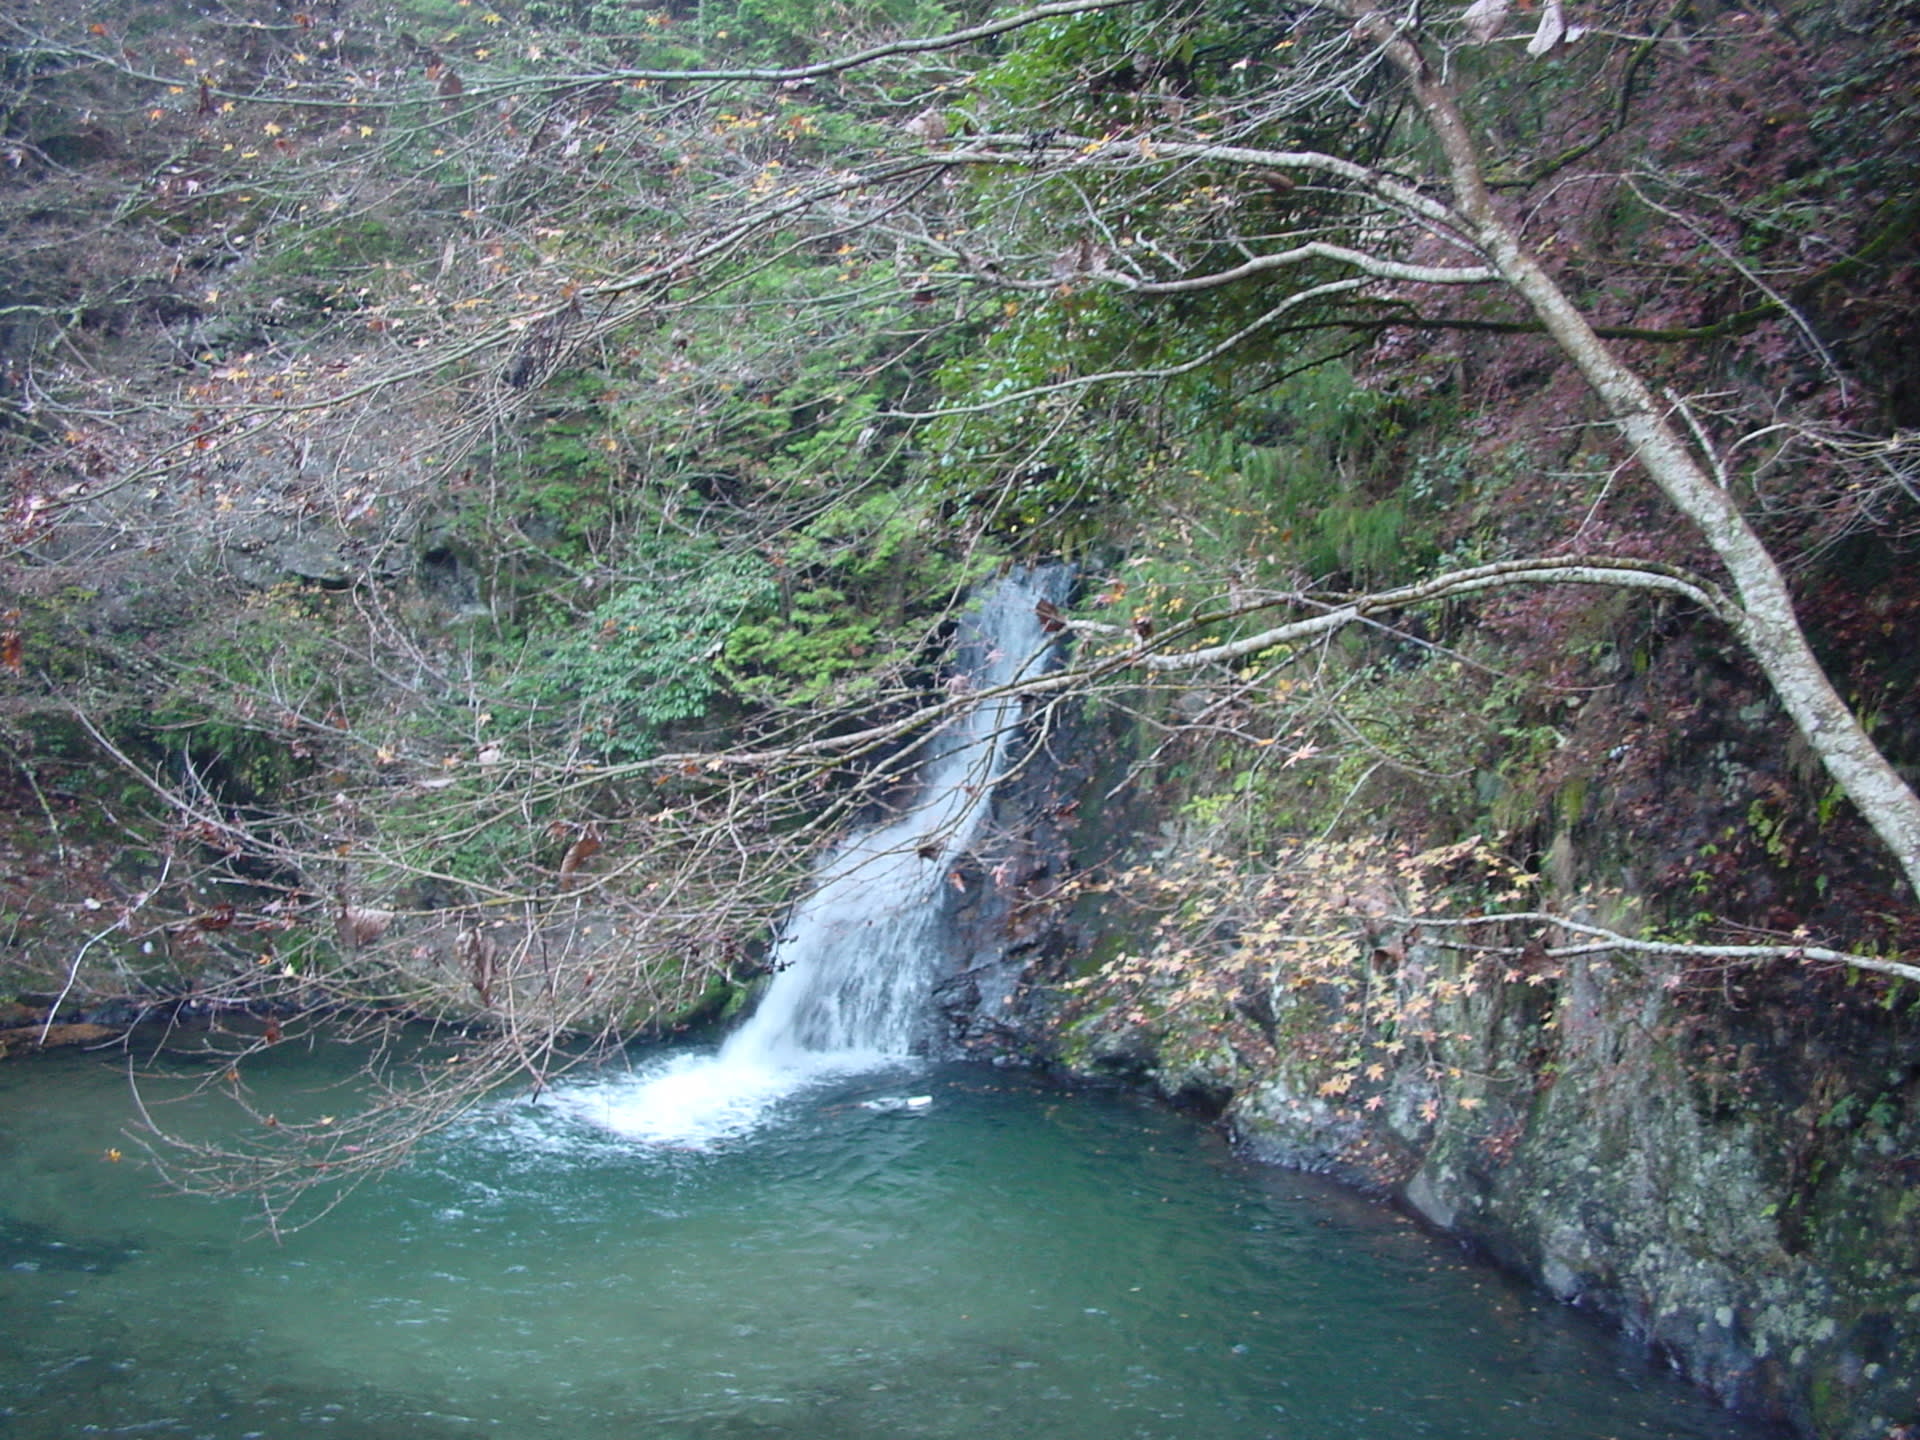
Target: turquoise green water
<point>1005,1260</point>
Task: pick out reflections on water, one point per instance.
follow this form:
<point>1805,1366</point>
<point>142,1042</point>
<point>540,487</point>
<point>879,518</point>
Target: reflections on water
<point>1002,1259</point>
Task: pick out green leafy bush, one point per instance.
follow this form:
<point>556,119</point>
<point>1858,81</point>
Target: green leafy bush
<point>861,579</point>
<point>645,657</point>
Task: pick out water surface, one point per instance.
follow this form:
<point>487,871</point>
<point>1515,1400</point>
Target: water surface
<point>1003,1260</point>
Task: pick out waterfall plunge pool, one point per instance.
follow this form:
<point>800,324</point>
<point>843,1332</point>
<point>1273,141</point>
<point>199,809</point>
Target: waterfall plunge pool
<point>1006,1260</point>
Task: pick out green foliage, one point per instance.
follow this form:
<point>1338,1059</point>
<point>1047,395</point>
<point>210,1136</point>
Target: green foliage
<point>1117,65</point>
<point>563,484</point>
<point>867,537</point>
<point>466,829</point>
<point>327,264</point>
<point>775,32</point>
<point>1053,458</point>
<point>645,657</point>
<point>1323,477</point>
<point>859,581</point>
<point>605,17</point>
<point>792,31</point>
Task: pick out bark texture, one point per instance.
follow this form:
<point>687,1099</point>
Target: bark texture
<point>1764,620</point>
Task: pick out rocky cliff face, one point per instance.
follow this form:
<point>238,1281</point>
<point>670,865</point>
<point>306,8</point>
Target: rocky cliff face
<point>1735,1190</point>
<point>1722,1164</point>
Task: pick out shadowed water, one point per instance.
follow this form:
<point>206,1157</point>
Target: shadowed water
<point>1004,1260</point>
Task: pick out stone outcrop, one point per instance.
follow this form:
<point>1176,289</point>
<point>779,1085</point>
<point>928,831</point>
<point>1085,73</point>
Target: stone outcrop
<point>1732,1183</point>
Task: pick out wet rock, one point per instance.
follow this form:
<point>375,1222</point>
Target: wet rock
<point>1123,1053</point>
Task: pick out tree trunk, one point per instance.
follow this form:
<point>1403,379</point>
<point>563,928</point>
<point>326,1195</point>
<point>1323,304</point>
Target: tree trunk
<point>1765,620</point>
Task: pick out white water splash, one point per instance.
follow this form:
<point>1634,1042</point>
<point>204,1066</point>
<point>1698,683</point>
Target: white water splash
<point>859,956</point>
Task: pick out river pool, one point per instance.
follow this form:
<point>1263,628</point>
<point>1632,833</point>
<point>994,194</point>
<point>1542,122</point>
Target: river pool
<point>998,1259</point>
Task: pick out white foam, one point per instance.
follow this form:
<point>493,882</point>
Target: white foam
<point>695,1102</point>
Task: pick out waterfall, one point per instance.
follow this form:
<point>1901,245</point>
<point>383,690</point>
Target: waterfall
<point>859,955</point>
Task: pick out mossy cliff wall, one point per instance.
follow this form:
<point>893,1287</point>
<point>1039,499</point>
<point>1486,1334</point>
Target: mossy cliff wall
<point>1730,1177</point>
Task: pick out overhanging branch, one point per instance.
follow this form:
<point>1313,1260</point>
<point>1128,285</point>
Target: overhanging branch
<point>1598,570</point>
<point>1597,939</point>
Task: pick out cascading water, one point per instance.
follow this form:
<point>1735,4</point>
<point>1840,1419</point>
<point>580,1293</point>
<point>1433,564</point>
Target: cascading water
<point>858,957</point>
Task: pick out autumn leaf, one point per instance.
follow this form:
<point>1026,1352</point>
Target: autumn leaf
<point>362,925</point>
<point>578,853</point>
<point>12,652</point>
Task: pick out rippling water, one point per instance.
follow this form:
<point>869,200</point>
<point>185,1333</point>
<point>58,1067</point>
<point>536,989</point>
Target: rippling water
<point>1001,1260</point>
